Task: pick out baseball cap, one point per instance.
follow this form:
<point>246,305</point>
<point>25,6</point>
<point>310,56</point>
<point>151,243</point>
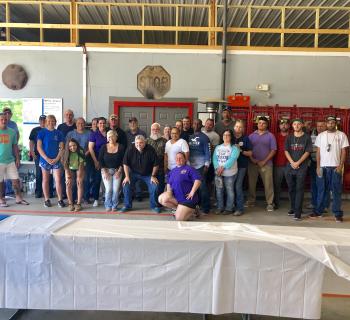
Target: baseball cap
<point>113,116</point>
<point>133,119</point>
<point>263,119</point>
<point>7,109</point>
<point>283,121</point>
<point>298,120</point>
<point>331,118</point>
<point>42,117</point>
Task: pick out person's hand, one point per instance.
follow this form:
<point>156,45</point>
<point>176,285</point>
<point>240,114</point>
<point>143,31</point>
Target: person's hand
<point>254,160</point>
<point>219,171</point>
<point>261,163</point>
<point>339,169</point>
<point>319,172</point>
<point>18,163</point>
<point>294,165</point>
<point>68,181</point>
<point>117,174</point>
<point>105,174</point>
<point>190,195</point>
<point>97,165</point>
<point>154,180</point>
<point>126,180</point>
<point>50,161</point>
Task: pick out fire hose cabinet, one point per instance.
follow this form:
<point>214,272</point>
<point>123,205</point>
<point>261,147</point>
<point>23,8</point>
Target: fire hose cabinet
<point>238,100</point>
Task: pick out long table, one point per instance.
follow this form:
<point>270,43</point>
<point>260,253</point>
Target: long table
<point>167,266</point>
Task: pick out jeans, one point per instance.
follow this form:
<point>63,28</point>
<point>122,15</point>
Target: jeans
<point>239,194</point>
<point>90,173</point>
<point>314,187</point>
<point>278,175</point>
<point>296,180</point>
<point>204,198</point>
<point>329,181</point>
<point>161,185</point>
<point>226,184</point>
<point>96,183</point>
<point>128,189</point>
<point>112,186</point>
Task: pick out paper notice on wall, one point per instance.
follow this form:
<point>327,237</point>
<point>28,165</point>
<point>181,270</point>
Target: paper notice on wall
<point>32,110</point>
<point>53,106</point>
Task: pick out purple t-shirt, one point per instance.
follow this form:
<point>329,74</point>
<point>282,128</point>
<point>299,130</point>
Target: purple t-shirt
<point>99,139</point>
<point>262,145</point>
<point>181,181</point>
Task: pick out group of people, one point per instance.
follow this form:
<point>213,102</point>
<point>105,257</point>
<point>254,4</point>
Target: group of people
<point>182,165</point>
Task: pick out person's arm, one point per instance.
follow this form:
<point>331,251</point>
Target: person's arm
<point>154,175</point>
<point>166,163</point>
<point>15,152</point>
<point>233,157</point>
<point>195,187</point>
<point>31,149</point>
<point>60,152</point>
<point>127,175</point>
<point>342,160</point>
<point>215,159</point>
<point>207,152</point>
<point>93,155</point>
<point>101,157</point>
<point>271,154</point>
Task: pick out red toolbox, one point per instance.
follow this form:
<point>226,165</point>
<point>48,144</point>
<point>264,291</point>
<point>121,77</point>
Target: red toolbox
<point>238,100</point>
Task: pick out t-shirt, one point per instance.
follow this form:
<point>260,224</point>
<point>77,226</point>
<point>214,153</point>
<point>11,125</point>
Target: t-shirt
<point>214,138</point>
<point>141,162</point>
<point>297,146</point>
<point>334,141</point>
<point>82,138</point>
<point>199,145</point>
<point>171,149</point>
<point>181,181</point>
<point>244,144</point>
<point>262,144</point>
<point>220,127</point>
<point>50,140</point>
<point>130,137</point>
<point>64,128</point>
<point>186,134</point>
<point>99,139</point>
<point>8,138</point>
<point>280,157</point>
<point>226,156</point>
<point>34,136</point>
<point>75,161</point>
<point>111,160</point>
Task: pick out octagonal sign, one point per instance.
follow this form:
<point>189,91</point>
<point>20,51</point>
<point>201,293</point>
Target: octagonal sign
<point>153,82</point>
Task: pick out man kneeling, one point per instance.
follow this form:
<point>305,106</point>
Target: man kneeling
<point>181,194</point>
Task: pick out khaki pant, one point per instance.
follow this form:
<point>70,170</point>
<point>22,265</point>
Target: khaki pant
<point>267,177</point>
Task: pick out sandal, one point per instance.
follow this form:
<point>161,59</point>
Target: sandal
<point>3,204</point>
<point>24,202</point>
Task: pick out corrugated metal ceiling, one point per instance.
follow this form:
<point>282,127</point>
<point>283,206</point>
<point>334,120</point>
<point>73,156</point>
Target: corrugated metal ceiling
<point>165,16</point>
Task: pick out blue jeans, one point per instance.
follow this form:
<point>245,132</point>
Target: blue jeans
<point>239,189</point>
<point>96,183</point>
<point>90,173</point>
<point>112,186</point>
<point>314,187</point>
<point>330,181</point>
<point>127,190</point>
<point>204,198</point>
<point>161,185</point>
<point>227,186</point>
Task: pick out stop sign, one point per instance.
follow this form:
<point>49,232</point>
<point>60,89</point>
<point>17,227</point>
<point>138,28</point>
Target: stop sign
<point>153,82</point>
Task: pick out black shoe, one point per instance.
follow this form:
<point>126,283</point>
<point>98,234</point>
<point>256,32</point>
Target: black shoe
<point>339,219</point>
<point>291,213</point>
<point>38,195</point>
<point>47,203</point>
<point>61,204</point>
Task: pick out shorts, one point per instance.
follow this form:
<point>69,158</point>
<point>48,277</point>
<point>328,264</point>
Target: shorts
<point>8,171</point>
<point>46,166</point>
<point>190,205</point>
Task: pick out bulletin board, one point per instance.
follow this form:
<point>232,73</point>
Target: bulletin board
<point>26,113</point>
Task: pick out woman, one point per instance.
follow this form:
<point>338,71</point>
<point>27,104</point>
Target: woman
<point>94,122</point>
<point>174,146</point>
<point>225,166</point>
<point>166,132</point>
<point>242,142</point>
<point>111,163</point>
<point>181,194</point>
<point>96,141</point>
<point>74,166</point>
<point>50,146</point>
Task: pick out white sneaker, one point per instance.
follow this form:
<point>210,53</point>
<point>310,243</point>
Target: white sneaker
<point>270,207</point>
<point>95,204</point>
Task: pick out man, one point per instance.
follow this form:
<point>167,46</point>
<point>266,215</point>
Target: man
<point>331,153</point>
<point>140,164</point>
<point>68,124</point>
<point>225,123</point>
<point>298,147</point>
<point>133,131</point>
<point>264,148</point>
<point>280,160</point>
<point>9,161</point>
<point>208,129</point>
<point>113,125</point>
<point>179,125</point>
<point>35,155</point>
<point>158,143</point>
<point>186,128</point>
<point>199,145</point>
<point>320,127</point>
<point>82,135</point>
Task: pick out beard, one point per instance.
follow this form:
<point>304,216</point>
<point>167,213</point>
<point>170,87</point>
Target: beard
<point>155,136</point>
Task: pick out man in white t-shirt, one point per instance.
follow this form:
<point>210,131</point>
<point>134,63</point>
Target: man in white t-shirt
<point>330,156</point>
<point>172,147</point>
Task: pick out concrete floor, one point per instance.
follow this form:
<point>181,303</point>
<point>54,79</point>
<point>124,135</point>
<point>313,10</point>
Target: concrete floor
<point>332,308</point>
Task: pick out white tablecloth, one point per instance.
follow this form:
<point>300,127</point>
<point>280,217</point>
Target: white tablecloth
<point>135,265</point>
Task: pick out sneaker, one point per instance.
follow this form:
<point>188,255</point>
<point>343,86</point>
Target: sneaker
<point>108,209</point>
<point>124,209</point>
<point>296,219</point>
<point>77,207</point>
<point>219,211</point>
<point>339,219</point>
<point>237,213</point>
<point>269,207</point>
<point>290,212</point>
<point>95,204</point>
<point>249,204</point>
<point>156,210</point>
<point>47,203</point>
<point>226,212</point>
<point>70,207</point>
<point>61,203</point>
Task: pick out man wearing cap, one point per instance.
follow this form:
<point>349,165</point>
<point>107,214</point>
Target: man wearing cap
<point>330,156</point>
<point>11,124</point>
<point>280,160</point>
<point>113,125</point>
<point>226,122</point>
<point>264,148</point>
<point>36,156</point>
<point>133,131</point>
<point>298,147</point>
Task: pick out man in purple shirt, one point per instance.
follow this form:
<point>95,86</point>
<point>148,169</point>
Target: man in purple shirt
<point>264,149</point>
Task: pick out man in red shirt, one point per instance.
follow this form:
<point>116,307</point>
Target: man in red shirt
<point>280,159</point>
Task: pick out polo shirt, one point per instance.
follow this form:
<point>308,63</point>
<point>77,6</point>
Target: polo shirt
<point>99,139</point>
<point>141,162</point>
<point>244,144</point>
<point>262,145</point>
